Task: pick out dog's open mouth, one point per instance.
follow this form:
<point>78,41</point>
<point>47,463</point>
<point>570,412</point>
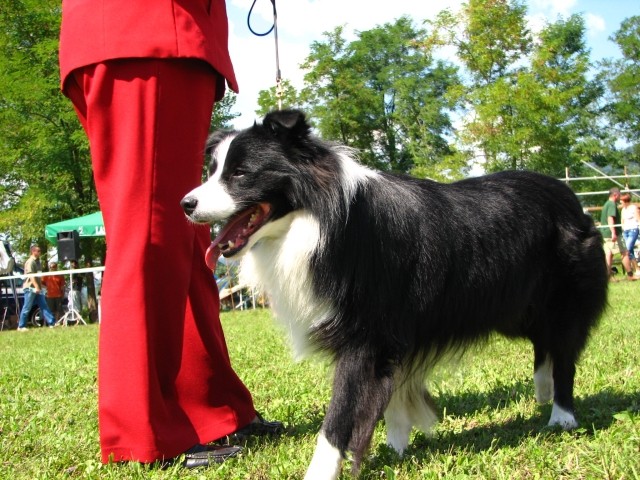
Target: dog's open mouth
<point>235,234</point>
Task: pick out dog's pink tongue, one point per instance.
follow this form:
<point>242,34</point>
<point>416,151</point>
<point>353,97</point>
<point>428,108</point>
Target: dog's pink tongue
<point>211,256</point>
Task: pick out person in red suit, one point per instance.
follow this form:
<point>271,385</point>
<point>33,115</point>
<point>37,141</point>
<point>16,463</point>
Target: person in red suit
<point>143,76</point>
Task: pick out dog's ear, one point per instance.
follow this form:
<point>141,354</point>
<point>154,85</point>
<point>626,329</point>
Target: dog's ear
<point>287,123</point>
<point>214,140</point>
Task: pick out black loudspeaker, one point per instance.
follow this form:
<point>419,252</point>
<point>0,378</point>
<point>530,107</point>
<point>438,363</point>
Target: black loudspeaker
<point>68,245</point>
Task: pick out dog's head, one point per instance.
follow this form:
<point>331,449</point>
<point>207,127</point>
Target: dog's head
<point>255,178</point>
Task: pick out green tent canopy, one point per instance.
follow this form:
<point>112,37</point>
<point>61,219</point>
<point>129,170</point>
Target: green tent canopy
<point>90,225</point>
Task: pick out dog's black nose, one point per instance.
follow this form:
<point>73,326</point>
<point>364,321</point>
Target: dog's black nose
<point>189,204</point>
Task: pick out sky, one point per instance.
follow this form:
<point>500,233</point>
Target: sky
<point>301,22</point>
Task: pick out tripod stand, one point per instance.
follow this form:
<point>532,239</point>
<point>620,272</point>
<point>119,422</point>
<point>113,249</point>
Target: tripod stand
<point>72,315</point>
<point>7,264</point>
<point>4,316</point>
<point>5,300</point>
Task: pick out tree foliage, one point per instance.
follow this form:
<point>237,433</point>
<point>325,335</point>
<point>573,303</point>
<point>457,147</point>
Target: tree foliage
<point>45,164</point>
<point>494,38</point>
<point>529,105</point>
<point>529,100</point>
<point>512,98</point>
<point>45,171</point>
<point>383,95</point>
<point>222,116</point>
<point>564,115</point>
<point>624,83</point>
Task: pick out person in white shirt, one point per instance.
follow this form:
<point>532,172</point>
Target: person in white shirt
<point>630,218</point>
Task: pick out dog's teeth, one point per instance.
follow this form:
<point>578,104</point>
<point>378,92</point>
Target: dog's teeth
<point>230,244</point>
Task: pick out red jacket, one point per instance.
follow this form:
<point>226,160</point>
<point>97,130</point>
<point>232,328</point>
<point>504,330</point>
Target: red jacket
<point>97,30</point>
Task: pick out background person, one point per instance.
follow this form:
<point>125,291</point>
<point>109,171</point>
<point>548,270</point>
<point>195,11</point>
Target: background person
<point>612,232</point>
<point>143,76</point>
<point>32,288</point>
<point>630,218</point>
<point>55,285</point>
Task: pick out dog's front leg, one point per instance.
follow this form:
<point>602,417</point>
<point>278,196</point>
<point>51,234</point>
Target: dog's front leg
<point>326,461</point>
<point>362,389</point>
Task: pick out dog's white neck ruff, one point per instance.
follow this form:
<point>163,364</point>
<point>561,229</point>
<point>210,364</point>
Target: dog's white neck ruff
<point>277,261</point>
<point>279,264</point>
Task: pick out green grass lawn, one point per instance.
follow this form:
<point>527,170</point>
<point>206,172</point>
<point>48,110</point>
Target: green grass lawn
<point>491,427</point>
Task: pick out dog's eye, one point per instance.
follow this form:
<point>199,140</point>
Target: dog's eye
<point>238,173</point>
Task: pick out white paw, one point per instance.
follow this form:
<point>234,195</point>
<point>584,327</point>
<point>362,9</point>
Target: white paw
<point>399,441</point>
<point>326,461</point>
<point>562,418</point>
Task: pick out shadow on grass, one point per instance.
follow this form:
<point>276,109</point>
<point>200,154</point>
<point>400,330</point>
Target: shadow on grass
<point>594,413</point>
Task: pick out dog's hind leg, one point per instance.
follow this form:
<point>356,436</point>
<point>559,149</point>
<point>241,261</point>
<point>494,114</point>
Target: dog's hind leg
<point>362,389</point>
<point>555,357</point>
<point>572,316</point>
<point>543,375</point>
<point>410,405</point>
<point>564,370</point>
<point>572,310</point>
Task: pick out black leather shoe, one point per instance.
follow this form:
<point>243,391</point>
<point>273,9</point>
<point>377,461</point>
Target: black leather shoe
<point>258,428</point>
<point>207,455</point>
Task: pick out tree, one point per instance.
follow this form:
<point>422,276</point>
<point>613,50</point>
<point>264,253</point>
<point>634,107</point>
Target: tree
<point>45,171</point>
<point>624,84</point>
<point>494,39</point>
<point>222,115</point>
<point>529,104</point>
<point>564,118</point>
<point>383,95</point>
<point>491,39</point>
<point>45,165</point>
<point>329,92</point>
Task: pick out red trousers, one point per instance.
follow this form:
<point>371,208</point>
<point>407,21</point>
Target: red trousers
<point>165,381</point>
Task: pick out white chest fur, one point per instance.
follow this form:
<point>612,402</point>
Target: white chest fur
<point>278,264</point>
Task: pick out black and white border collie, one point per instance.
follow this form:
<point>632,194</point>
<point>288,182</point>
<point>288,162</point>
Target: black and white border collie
<point>388,274</point>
